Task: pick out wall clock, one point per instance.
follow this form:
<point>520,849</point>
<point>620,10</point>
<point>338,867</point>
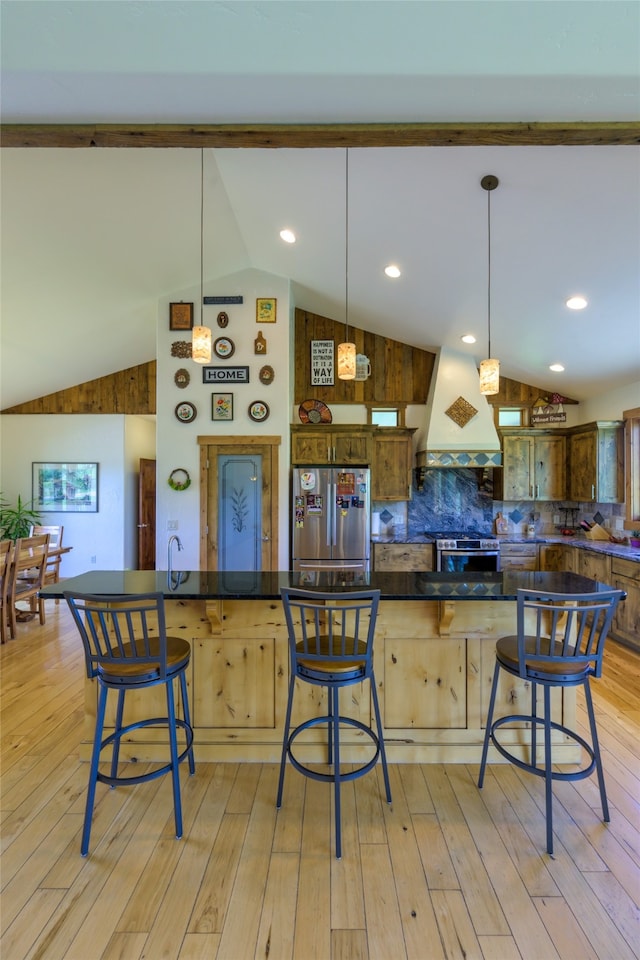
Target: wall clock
<point>258,411</point>
<point>223,347</point>
<point>186,412</point>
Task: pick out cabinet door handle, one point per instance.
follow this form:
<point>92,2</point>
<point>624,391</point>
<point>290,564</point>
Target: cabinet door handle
<point>593,491</point>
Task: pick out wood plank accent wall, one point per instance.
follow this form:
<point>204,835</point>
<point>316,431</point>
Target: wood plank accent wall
<point>516,394</point>
<point>131,391</point>
<point>399,373</point>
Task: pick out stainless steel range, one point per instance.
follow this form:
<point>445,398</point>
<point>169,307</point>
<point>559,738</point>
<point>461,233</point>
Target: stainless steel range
<point>462,551</point>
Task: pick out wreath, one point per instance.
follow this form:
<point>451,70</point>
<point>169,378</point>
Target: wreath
<point>179,484</point>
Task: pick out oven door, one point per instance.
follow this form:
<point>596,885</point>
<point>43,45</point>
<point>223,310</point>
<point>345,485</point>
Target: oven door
<point>470,561</point>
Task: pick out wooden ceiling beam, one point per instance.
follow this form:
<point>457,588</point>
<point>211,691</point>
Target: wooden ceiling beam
<point>310,135</point>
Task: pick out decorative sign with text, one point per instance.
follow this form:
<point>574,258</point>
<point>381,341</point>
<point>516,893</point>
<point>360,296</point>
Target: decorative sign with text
<point>225,374</point>
<point>322,363</point>
<point>208,301</point>
<point>549,410</point>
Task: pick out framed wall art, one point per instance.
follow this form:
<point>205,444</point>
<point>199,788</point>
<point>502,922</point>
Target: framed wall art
<point>180,316</point>
<point>65,487</point>
<point>266,310</point>
<point>222,406</point>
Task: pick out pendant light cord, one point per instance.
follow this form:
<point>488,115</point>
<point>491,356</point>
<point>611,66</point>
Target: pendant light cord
<point>201,234</point>
<point>346,246</point>
<point>489,270</point>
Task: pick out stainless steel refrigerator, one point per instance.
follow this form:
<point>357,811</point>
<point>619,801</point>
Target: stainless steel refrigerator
<point>330,519</point>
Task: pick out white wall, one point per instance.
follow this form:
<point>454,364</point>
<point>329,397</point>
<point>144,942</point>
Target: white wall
<point>177,443</point>
<point>86,438</point>
<point>610,406</point>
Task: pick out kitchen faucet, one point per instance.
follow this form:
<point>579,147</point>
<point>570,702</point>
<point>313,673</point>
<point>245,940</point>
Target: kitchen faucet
<point>172,539</point>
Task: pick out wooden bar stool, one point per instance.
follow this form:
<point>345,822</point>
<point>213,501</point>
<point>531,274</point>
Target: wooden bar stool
<point>331,645</point>
<point>127,649</point>
<point>564,648</point>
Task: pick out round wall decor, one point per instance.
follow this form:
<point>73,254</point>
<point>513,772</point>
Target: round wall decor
<point>179,479</point>
<point>182,378</point>
<point>186,412</point>
<point>314,411</point>
<point>223,347</point>
<point>266,374</point>
<point>223,319</point>
<point>258,411</point>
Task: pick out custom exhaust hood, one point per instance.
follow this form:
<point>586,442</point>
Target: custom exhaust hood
<point>460,429</point>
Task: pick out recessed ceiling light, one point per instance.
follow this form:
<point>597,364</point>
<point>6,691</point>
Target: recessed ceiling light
<point>576,303</point>
<point>288,236</point>
<point>556,367</point>
<point>392,271</point>
<point>468,338</point>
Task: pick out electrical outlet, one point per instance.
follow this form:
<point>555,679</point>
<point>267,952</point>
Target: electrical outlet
<point>172,524</point>
<point>619,523</point>
<point>92,559</point>
<point>556,519</point>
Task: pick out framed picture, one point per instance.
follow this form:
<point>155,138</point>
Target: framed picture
<point>180,316</point>
<point>222,406</point>
<point>266,310</point>
<point>65,487</point>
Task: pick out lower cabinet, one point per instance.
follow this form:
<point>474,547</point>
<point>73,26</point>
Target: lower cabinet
<point>519,556</point>
<point>625,575</point>
<point>552,556</point>
<point>596,566</point>
<point>402,556</point>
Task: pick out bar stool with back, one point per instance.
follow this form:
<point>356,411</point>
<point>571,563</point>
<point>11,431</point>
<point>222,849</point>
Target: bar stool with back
<point>331,645</point>
<point>127,649</point>
<point>559,643</point>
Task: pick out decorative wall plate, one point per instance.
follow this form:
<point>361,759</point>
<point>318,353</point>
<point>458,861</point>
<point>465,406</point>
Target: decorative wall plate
<point>223,347</point>
<point>258,411</point>
<point>186,412</point>
<point>182,378</point>
<point>314,411</point>
<point>223,319</point>
<point>266,374</point>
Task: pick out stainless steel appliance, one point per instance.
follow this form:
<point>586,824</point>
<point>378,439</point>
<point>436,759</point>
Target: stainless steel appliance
<point>330,520</point>
<point>465,551</point>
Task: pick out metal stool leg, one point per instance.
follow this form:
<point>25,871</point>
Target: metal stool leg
<point>187,718</point>
<point>93,769</point>
<point>175,772</point>
<point>285,740</point>
<point>548,762</point>
<point>383,752</point>
<point>115,756</point>
<point>487,731</point>
<point>334,724</point>
<point>596,751</point>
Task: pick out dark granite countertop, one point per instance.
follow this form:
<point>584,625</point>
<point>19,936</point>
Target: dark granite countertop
<point>212,585</point>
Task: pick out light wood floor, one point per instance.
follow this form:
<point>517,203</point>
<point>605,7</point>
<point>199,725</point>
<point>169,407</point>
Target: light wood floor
<point>446,872</point>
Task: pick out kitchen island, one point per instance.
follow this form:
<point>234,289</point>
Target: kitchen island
<point>434,654</point>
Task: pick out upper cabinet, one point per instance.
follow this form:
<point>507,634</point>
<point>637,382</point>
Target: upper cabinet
<point>392,463</point>
<point>331,444</point>
<point>596,462</point>
<point>533,465</point>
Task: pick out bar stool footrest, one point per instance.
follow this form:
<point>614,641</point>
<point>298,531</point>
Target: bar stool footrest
<point>153,774</point>
<point>530,767</point>
<point>331,777</point>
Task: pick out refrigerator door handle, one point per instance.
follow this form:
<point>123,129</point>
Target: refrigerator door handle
<point>329,513</point>
<point>334,514</point>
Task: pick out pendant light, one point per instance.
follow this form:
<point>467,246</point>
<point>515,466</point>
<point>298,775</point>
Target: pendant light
<point>346,351</point>
<point>490,368</point>
<point>201,335</point>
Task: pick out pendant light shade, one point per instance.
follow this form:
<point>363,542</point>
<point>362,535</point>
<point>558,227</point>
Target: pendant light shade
<point>347,350</point>
<point>490,368</point>
<point>201,335</point>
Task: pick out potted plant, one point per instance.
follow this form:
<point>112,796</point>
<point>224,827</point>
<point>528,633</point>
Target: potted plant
<point>16,521</point>
<point>634,539</point>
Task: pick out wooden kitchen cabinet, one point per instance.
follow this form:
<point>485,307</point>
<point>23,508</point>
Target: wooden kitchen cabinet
<point>596,566</point>
<point>392,463</point>
<point>402,556</point>
<point>552,556</point>
<point>331,444</point>
<point>596,462</point>
<point>533,465</point>
<point>625,575</point>
<point>518,556</point>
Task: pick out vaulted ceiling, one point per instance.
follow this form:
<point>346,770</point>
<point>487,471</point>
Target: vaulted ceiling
<point>92,238</point>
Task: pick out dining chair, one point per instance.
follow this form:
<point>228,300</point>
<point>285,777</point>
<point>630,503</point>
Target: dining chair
<point>559,643</point>
<point>52,570</point>
<point>127,649</point>
<point>6,552</point>
<point>331,645</point>
<point>27,578</point>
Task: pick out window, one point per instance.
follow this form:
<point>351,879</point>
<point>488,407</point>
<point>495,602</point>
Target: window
<point>632,465</point>
<point>510,417</point>
<point>384,418</point>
